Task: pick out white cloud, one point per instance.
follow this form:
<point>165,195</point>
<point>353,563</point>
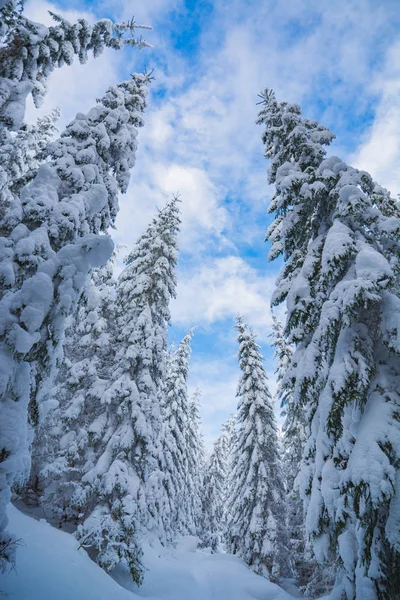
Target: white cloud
<point>39,11</point>
<point>220,289</point>
<point>379,154</point>
<point>153,183</point>
<point>202,207</point>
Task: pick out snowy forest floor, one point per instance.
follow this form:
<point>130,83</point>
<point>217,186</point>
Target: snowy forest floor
<point>50,567</point>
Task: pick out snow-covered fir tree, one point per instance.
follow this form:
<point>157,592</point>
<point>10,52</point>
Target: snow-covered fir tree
<point>229,434</point>
<point>229,431</point>
<point>215,484</point>
<point>338,232</point>
<point>51,239</point>
<point>255,515</point>
<point>293,440</point>
<point>283,353</point>
<point>195,459</point>
<point>176,416</point>
<point>229,428</point>
<point>113,449</point>
<point>60,453</point>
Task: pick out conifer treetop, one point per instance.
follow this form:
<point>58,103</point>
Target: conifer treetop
<point>249,355</point>
<point>31,51</point>
<point>289,136</point>
<point>153,261</point>
<point>180,359</point>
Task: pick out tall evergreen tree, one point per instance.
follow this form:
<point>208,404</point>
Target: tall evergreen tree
<point>114,490</point>
<point>51,239</point>
<point>255,510</point>
<point>309,575</point>
<point>338,232</point>
<point>176,419</point>
<point>215,485</point>
<point>229,431</point>
<point>283,353</point>
<point>293,440</point>
<point>66,431</point>
<point>195,460</point>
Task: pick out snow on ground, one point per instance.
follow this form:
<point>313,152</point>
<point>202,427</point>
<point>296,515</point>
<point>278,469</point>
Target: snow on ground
<point>186,574</point>
<point>49,567</point>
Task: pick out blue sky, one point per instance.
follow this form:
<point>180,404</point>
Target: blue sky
<point>339,60</point>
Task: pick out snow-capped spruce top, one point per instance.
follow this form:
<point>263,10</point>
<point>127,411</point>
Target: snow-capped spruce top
<point>294,146</point>
<point>153,260</point>
<point>32,51</point>
<point>289,137</point>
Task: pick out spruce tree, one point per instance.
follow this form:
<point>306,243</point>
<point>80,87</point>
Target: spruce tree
<point>255,510</point>
<point>116,494</point>
<point>229,428</point>
<point>195,460</point>
<point>51,237</point>
<point>338,232</point>
<point>283,353</point>
<point>72,406</point>
<point>229,431</point>
<point>293,444</point>
<point>176,418</point>
<point>312,578</point>
<point>215,492</point>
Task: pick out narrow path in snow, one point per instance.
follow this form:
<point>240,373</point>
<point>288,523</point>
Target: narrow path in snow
<point>51,568</point>
<point>186,574</point>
